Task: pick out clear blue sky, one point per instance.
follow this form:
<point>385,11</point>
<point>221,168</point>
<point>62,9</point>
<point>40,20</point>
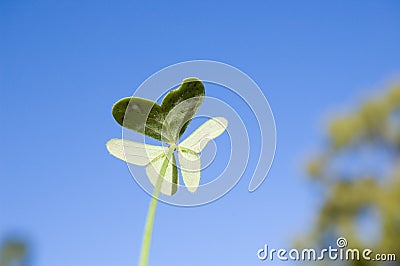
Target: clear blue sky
<point>64,63</point>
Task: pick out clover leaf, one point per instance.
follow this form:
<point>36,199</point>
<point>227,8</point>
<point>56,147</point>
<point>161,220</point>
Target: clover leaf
<point>149,118</point>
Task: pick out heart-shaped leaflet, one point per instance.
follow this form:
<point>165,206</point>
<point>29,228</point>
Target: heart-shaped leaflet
<point>165,122</point>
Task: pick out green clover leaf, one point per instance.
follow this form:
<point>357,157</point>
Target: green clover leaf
<point>149,118</point>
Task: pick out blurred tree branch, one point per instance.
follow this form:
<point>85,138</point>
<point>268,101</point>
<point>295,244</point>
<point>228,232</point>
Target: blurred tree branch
<point>353,184</point>
<point>13,253</point>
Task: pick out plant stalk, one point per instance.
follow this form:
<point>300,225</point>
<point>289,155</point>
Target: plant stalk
<point>148,230</point>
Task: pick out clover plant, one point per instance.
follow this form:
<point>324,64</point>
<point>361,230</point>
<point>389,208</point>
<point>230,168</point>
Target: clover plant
<point>166,123</point>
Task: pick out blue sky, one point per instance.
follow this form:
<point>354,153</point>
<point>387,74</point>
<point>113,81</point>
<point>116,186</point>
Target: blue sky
<point>64,63</point>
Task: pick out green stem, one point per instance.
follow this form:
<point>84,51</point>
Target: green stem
<point>148,230</point>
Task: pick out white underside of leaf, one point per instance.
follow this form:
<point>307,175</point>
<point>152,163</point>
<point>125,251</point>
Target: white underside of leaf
<point>170,182</point>
<point>133,152</point>
<point>153,156</point>
<point>211,129</point>
<point>190,165</point>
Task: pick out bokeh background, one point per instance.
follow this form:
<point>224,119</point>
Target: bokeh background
<point>328,68</point>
